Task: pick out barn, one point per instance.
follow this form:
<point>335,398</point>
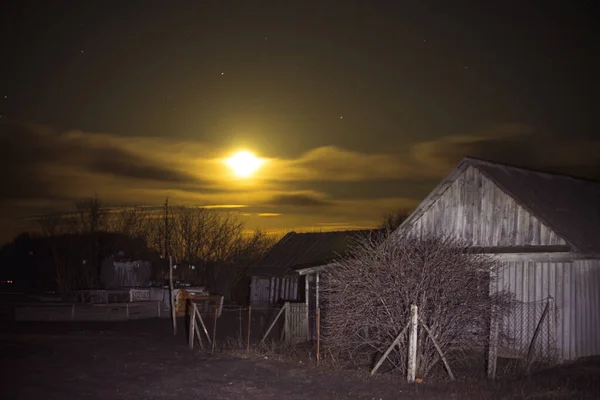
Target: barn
<point>544,229</point>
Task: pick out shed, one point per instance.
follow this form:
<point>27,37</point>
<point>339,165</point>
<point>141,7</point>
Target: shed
<point>275,277</point>
<point>544,229</point>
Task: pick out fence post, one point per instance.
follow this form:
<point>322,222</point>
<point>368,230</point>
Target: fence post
<point>493,345</point>
<point>73,312</point>
<point>172,297</point>
<point>192,324</point>
<point>306,297</point>
<point>286,322</point>
<point>318,335</point>
<point>249,321</point>
<point>240,336</point>
<point>214,340</point>
<point>412,344</point>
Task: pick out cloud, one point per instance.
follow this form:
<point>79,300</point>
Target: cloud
<point>40,162</point>
<point>333,163</point>
<point>45,170</point>
<point>306,199</point>
<point>515,144</point>
<point>435,158</point>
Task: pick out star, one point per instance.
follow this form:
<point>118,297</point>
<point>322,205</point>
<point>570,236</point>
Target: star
<point>222,73</point>
<point>341,117</point>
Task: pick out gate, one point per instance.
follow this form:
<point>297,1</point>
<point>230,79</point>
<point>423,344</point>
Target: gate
<point>296,322</point>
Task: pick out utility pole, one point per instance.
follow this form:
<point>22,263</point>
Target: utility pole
<point>167,252</point>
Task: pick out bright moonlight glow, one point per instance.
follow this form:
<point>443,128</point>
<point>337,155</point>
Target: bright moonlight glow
<point>244,163</point>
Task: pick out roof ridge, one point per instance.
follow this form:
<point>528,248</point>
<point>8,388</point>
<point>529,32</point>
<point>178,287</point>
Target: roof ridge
<point>475,161</point>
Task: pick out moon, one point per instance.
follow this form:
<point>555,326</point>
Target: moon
<point>244,164</point>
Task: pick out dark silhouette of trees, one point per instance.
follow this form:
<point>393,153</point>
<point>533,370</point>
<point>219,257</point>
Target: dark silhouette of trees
<point>393,219</point>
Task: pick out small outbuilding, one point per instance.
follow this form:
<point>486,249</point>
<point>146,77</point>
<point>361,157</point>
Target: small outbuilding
<point>544,229</point>
<point>289,272</point>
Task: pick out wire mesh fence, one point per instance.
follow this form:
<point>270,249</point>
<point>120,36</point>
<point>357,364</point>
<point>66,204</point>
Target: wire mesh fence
<point>246,327</point>
<point>527,334</point>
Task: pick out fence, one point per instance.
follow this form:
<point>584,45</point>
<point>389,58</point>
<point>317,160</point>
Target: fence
<point>244,327</point>
<point>87,312</point>
<point>527,334</point>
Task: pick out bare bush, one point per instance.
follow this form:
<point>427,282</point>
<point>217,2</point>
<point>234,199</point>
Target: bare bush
<point>367,297</point>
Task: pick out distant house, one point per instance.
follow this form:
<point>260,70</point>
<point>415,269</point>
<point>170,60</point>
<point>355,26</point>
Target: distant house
<point>545,231</point>
<point>275,278</point>
<point>119,271</point>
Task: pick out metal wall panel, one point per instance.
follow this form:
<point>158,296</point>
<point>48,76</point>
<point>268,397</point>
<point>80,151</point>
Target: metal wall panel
<point>574,288</point>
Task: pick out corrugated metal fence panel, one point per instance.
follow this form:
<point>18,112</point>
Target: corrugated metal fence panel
<point>575,289</point>
<point>587,306</point>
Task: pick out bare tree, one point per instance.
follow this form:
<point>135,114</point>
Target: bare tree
<point>69,250</point>
<point>392,220</point>
<point>367,297</point>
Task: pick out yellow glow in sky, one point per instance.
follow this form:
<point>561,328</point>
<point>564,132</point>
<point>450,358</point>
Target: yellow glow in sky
<point>244,163</point>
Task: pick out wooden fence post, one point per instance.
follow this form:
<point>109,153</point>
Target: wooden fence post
<point>285,333</point>
<point>493,345</point>
<point>241,335</point>
<point>248,333</point>
<point>214,338</point>
<point>318,335</point>
<point>192,325</point>
<point>172,288</point>
<point>412,344</point>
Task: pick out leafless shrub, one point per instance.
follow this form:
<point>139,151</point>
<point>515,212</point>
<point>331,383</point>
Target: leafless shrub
<point>367,297</point>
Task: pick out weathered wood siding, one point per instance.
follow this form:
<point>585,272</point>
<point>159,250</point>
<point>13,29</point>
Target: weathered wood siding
<point>474,209</point>
<point>268,291</point>
<point>574,288</point>
<point>296,323</point>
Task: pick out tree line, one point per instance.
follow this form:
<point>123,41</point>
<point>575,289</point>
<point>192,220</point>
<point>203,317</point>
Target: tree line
<point>215,242</point>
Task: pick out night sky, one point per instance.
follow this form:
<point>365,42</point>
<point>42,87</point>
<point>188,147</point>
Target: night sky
<point>358,107</point>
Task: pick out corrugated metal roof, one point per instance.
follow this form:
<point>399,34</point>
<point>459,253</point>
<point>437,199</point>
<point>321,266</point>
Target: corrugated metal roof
<point>570,206</point>
<point>297,250</point>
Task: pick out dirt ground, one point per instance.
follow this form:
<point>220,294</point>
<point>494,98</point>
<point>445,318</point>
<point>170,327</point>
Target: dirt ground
<point>143,360</point>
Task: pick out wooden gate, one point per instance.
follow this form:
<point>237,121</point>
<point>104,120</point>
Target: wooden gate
<point>296,322</point>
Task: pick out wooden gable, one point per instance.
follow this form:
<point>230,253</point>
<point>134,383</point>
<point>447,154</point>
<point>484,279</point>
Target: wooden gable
<point>475,209</point>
